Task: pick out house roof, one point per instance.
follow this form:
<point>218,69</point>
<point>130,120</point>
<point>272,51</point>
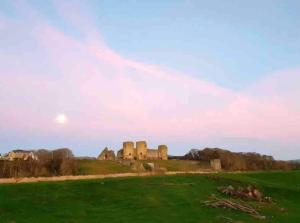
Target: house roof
<point>21,151</point>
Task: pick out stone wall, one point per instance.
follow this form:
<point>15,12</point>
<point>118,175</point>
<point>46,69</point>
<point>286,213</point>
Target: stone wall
<point>216,164</point>
<point>152,154</point>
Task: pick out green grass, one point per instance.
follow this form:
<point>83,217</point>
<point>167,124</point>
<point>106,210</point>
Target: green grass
<point>180,165</point>
<point>90,167</point>
<point>145,199</point>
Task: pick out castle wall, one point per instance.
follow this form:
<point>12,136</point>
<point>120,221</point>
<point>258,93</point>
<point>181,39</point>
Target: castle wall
<point>152,154</point>
<point>120,154</point>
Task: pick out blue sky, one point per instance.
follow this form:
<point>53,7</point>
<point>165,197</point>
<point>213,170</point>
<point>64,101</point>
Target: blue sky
<point>196,73</point>
<point>232,43</point>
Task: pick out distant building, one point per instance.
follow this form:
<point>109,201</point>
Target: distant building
<point>142,152</point>
<point>20,154</point>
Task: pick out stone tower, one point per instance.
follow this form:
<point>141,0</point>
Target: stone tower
<point>141,150</point>
<point>128,150</point>
<point>163,152</point>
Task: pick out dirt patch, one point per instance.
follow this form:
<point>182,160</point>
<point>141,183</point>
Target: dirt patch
<point>88,177</point>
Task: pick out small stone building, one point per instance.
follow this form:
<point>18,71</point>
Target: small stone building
<point>140,151</point>
<point>215,164</point>
<point>107,154</point>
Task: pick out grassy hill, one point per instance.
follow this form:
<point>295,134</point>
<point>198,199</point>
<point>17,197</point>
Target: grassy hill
<point>147,199</point>
<point>90,167</point>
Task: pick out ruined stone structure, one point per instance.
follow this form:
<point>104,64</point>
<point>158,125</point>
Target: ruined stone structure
<point>216,164</point>
<point>107,154</point>
<point>142,152</point>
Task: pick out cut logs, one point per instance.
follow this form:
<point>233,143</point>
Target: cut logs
<point>245,193</point>
<point>225,203</point>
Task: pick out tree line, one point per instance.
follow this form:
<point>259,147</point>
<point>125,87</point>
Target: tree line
<point>240,161</point>
<point>49,163</point>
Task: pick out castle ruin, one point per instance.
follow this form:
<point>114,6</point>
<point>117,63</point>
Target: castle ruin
<point>139,151</point>
<point>107,154</point>
<point>142,152</point>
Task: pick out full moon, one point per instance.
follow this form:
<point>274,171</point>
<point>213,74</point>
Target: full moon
<point>61,119</point>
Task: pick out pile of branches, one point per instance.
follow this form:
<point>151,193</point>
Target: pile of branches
<point>225,203</point>
<point>245,193</point>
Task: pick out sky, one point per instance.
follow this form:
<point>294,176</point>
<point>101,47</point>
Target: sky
<point>189,74</point>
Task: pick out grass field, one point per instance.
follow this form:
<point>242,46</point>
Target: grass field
<point>181,165</point>
<point>90,167</point>
<point>146,199</point>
